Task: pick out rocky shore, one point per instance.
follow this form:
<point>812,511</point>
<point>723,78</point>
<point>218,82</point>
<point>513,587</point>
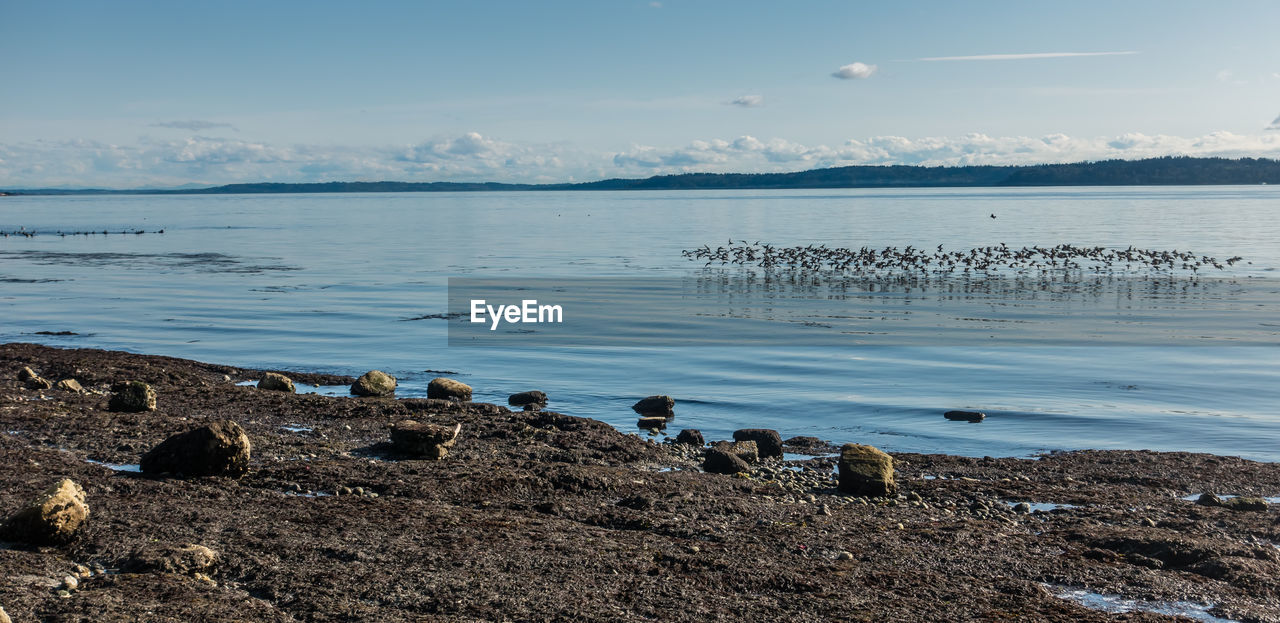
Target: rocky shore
<point>143,488</point>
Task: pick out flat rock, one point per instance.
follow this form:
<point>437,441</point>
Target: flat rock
<point>132,397</point>
<point>866,471</point>
<point>748,451</point>
<point>532,397</point>
<point>182,560</point>
<point>276,382</point>
<point>768,442</point>
<point>655,406</point>
<point>965,416</point>
<point>652,423</point>
<point>691,436</point>
<point>218,449</point>
<point>448,389</point>
<point>374,383</point>
<point>1245,504</point>
<point>52,519</point>
<point>721,461</point>
<point>423,440</point>
<point>69,385</point>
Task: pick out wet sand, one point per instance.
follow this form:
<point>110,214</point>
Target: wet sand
<point>539,516</point>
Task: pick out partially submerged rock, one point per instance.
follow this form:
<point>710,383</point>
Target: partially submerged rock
<point>374,383</point>
<point>423,440</point>
<point>768,442</point>
<point>533,397</point>
<point>448,389</point>
<point>655,406</point>
<point>276,382</point>
<point>69,385</point>
<point>691,436</point>
<point>52,519</point>
<point>652,423</point>
<point>132,397</point>
<point>218,449</point>
<point>965,416</point>
<point>182,560</point>
<point>720,460</point>
<point>866,471</point>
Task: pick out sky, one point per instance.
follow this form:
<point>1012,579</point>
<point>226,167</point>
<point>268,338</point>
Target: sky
<point>156,94</point>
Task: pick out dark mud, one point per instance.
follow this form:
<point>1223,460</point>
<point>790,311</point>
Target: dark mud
<point>537,516</point>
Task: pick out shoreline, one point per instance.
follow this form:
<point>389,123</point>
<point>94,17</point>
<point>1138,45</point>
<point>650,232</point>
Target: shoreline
<point>538,515</point>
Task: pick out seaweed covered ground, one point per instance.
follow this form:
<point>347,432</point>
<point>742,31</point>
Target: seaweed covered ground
<point>535,515</point>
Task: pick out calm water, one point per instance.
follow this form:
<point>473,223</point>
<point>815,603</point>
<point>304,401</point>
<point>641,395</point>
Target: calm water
<point>328,283</point>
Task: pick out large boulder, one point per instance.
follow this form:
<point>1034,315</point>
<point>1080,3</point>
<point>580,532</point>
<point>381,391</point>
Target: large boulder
<point>218,449</point>
<point>276,382</point>
<point>374,383</point>
<point>692,437</point>
<point>721,461</point>
<point>655,406</point>
<point>52,519</point>
<point>448,389</point>
<point>866,471</point>
<point>522,399</point>
<point>132,397</point>
<point>423,440</point>
<point>769,442</point>
<point>746,450</point>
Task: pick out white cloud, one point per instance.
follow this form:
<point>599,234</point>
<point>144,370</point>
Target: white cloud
<point>475,157</point>
<point>195,125</point>
<point>1021,57</point>
<point>749,101</point>
<point>855,71</point>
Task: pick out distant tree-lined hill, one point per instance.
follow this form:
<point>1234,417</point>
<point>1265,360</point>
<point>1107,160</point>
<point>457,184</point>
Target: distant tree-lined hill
<point>1170,170</point>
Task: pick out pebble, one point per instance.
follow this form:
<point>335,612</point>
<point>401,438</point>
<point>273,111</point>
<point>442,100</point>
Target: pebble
<point>70,583</point>
<point>845,556</point>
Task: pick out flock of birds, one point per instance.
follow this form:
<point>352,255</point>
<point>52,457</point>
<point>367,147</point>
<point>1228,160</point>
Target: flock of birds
<point>1063,257</point>
<point>26,233</point>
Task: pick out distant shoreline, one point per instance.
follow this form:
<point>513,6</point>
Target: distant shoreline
<point>1164,171</point>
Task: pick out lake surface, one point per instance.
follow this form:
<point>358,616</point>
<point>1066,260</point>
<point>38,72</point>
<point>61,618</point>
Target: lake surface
<point>334,283</point>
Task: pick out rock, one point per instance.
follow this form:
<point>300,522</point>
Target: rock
<point>132,397</point>
<point>746,450</point>
<point>691,436</point>
<point>37,383</point>
<point>70,583</point>
<point>374,383</point>
<point>276,382</point>
<point>652,423</point>
<point>218,449</point>
<point>655,406</point>
<point>1022,508</point>
<point>965,416</point>
<point>182,560</point>
<point>69,385</point>
<point>4,617</point>
<point>768,442</point>
<point>721,461</point>
<point>523,399</point>
<point>428,441</point>
<point>1245,504</point>
<point>448,389</point>
<point>26,374</point>
<point>1209,499</point>
<point>866,471</point>
<point>52,519</point>
<point>845,556</point>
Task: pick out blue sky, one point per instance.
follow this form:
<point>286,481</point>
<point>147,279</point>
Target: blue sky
<point>129,94</point>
